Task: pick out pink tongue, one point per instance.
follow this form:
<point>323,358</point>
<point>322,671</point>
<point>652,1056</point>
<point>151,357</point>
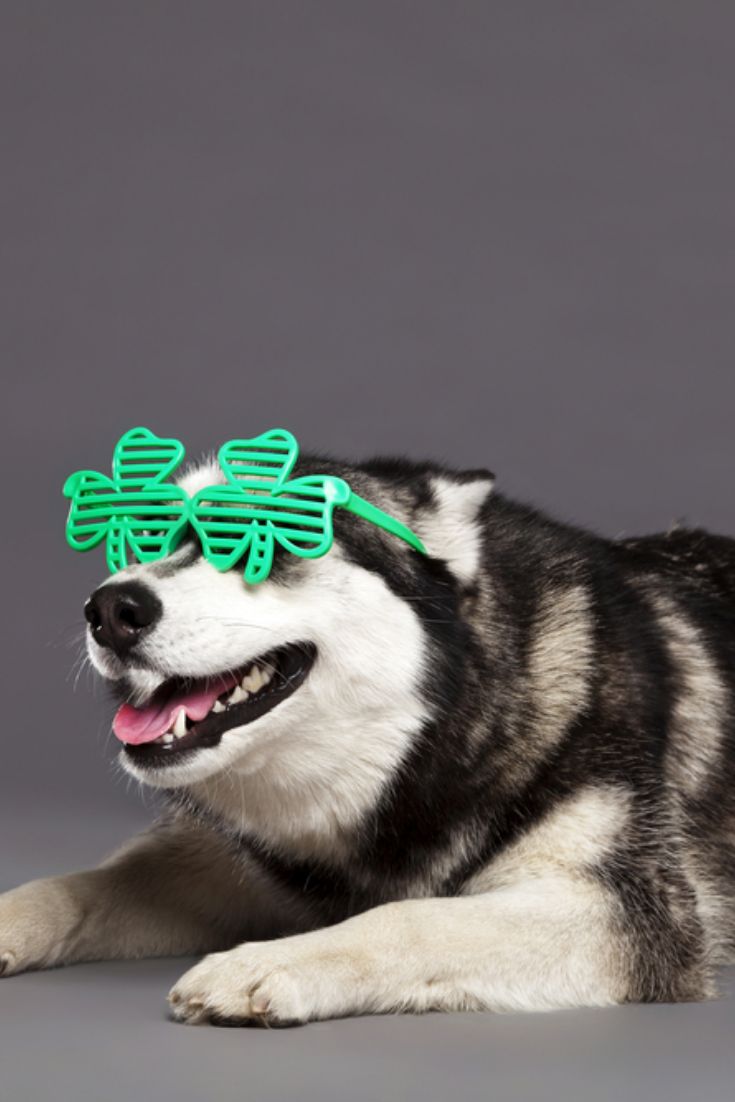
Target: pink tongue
<point>138,725</point>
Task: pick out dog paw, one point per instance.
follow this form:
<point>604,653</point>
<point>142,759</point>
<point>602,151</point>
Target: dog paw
<point>232,991</point>
<point>19,934</point>
<point>273,984</point>
<point>34,922</point>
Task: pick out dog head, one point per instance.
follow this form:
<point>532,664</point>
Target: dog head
<point>332,661</point>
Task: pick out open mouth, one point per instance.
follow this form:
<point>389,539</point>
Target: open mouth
<point>186,714</point>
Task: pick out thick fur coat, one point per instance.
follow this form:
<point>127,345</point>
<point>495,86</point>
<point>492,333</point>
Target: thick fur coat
<point>498,777</point>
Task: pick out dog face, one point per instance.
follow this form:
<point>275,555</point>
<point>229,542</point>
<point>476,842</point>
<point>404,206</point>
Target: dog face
<point>329,664</point>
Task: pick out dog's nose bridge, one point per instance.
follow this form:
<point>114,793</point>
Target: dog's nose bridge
<point>118,614</point>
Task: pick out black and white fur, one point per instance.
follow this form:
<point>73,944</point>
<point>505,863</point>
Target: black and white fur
<point>507,782</point>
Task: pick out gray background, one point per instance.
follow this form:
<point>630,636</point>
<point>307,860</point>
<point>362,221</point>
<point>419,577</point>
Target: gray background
<point>496,233</point>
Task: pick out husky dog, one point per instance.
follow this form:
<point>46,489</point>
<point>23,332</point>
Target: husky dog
<point>500,777</point>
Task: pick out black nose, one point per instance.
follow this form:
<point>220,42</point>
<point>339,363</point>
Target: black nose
<point>119,614</point>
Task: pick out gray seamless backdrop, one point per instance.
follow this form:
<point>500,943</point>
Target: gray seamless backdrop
<point>496,233</point>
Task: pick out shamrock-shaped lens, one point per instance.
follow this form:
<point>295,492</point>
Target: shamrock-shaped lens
<point>137,512</point>
<point>260,506</point>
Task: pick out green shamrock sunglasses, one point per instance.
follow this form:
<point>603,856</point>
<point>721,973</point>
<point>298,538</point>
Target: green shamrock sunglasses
<point>139,512</point>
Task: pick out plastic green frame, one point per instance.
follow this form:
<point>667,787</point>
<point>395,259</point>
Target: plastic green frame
<point>259,505</point>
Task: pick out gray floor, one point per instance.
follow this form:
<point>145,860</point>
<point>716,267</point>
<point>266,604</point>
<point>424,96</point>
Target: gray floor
<point>99,1032</point>
<point>103,1035</point>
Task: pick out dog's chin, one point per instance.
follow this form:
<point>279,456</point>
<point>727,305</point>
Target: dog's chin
<point>198,746</point>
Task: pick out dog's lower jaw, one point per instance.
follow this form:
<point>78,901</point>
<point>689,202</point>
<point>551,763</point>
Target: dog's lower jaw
<point>247,695</point>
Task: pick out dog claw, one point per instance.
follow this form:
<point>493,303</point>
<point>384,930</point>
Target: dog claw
<point>7,960</point>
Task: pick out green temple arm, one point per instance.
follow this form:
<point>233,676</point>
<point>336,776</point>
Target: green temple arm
<point>364,509</point>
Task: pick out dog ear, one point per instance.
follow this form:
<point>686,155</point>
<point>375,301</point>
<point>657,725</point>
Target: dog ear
<point>450,525</point>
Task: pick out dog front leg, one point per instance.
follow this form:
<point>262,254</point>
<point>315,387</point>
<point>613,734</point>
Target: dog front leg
<point>173,890</point>
<point>538,945</point>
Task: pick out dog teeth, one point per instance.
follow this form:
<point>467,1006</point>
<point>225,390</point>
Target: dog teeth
<point>251,682</point>
<point>254,680</point>
<point>257,678</point>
